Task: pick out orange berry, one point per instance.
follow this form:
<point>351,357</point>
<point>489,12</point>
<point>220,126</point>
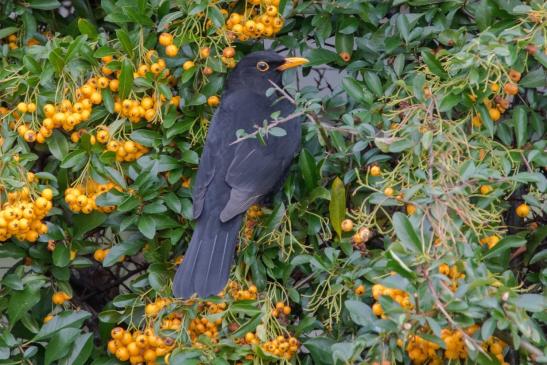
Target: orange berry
<point>345,56</point>
<point>494,113</point>
<point>514,75</point>
<point>213,101</point>
<point>523,210</point>
<point>188,65</point>
<point>229,52</point>
<point>204,52</point>
<point>171,50</point>
<point>511,89</point>
<point>166,39</point>
<point>375,170</point>
<point>347,225</point>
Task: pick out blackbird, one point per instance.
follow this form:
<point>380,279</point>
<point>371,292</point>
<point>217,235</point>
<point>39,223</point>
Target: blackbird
<point>233,176</point>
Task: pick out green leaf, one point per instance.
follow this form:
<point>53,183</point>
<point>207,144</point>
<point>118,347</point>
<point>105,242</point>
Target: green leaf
<point>87,28</point>
<point>247,307</point>
<point>359,312</point>
<point>81,350</point>
<point>74,158</point>
<point>43,4</point>
<point>216,16</point>
<point>57,59</point>
<point>353,88</point>
<point>320,350</point>
<point>22,301</point>
<point>320,56</point>
<point>308,169</point>
<point>4,32</point>
<point>185,357</point>
<point>61,255</point>
<point>531,302</point>
<point>373,82</point>
<point>125,41</point>
<point>126,79</point>
<point>84,223</point>
<point>146,137</point>
<point>62,320</point>
<point>337,205</point>
<point>74,48</point>
<point>344,43</point>
<point>119,250</point>
<point>108,100</point>
<point>505,244</point>
<point>520,123</point>
<point>147,226</point>
<point>168,19</point>
<point>59,345</point>
<point>32,65</point>
<point>434,65</point>
<point>57,144</point>
<point>406,233</point>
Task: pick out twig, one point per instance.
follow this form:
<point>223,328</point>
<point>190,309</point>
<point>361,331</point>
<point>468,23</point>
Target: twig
<point>304,281</point>
<point>310,116</point>
<point>450,320</point>
<point>526,161</point>
<point>532,350</point>
<point>270,125</point>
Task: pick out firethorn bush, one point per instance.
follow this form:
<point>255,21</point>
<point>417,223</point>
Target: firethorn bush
<point>410,229</point>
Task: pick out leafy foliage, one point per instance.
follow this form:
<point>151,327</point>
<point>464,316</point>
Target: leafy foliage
<point>409,230</point>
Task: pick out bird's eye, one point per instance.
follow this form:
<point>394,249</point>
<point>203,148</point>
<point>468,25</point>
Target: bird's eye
<point>262,66</point>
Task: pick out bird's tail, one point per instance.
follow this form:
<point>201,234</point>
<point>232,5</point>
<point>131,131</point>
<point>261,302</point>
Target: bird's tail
<point>208,260</point>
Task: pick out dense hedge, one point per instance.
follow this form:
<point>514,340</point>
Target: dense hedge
<point>409,231</point>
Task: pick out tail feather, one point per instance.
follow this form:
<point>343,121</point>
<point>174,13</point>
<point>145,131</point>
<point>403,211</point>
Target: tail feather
<point>207,262</point>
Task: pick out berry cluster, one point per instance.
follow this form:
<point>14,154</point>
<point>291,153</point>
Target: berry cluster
<point>136,110</point>
<point>496,347</point>
<point>281,346</point>
<point>455,345</point>
<point>202,326</point>
<point>21,215</point>
<point>253,213</point>
<point>498,105</point>
<point>421,351</point>
<point>398,295</point>
<point>126,150</point>
<point>227,57</point>
<point>238,293</point>
<point>453,273</point>
<point>172,321</point>
<point>139,347</point>
<point>152,309</point>
<point>281,309</point>
<point>260,18</point>
<point>11,40</point>
<point>81,199</point>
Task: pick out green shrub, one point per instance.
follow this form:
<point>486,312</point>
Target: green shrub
<point>409,231</point>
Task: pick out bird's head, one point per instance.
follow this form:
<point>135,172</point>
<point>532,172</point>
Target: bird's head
<point>257,69</point>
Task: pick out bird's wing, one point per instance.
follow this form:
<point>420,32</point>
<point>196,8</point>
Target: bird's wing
<point>207,167</point>
<point>256,169</point>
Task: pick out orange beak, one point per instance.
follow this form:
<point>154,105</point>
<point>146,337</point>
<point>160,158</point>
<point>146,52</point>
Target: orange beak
<point>291,62</point>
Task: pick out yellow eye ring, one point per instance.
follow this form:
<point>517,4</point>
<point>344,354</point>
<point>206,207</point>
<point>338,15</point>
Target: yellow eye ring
<point>262,66</point>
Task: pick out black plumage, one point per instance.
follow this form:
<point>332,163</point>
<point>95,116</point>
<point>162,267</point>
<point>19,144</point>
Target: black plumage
<point>232,177</point>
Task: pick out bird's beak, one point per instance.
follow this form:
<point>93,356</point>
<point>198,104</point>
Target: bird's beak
<point>291,62</point>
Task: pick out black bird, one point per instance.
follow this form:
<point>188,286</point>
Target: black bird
<point>232,177</point>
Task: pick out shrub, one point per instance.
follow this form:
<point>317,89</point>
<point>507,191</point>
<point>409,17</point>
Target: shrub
<point>410,228</point>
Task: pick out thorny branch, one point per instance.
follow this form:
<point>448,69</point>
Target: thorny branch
<point>450,320</point>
